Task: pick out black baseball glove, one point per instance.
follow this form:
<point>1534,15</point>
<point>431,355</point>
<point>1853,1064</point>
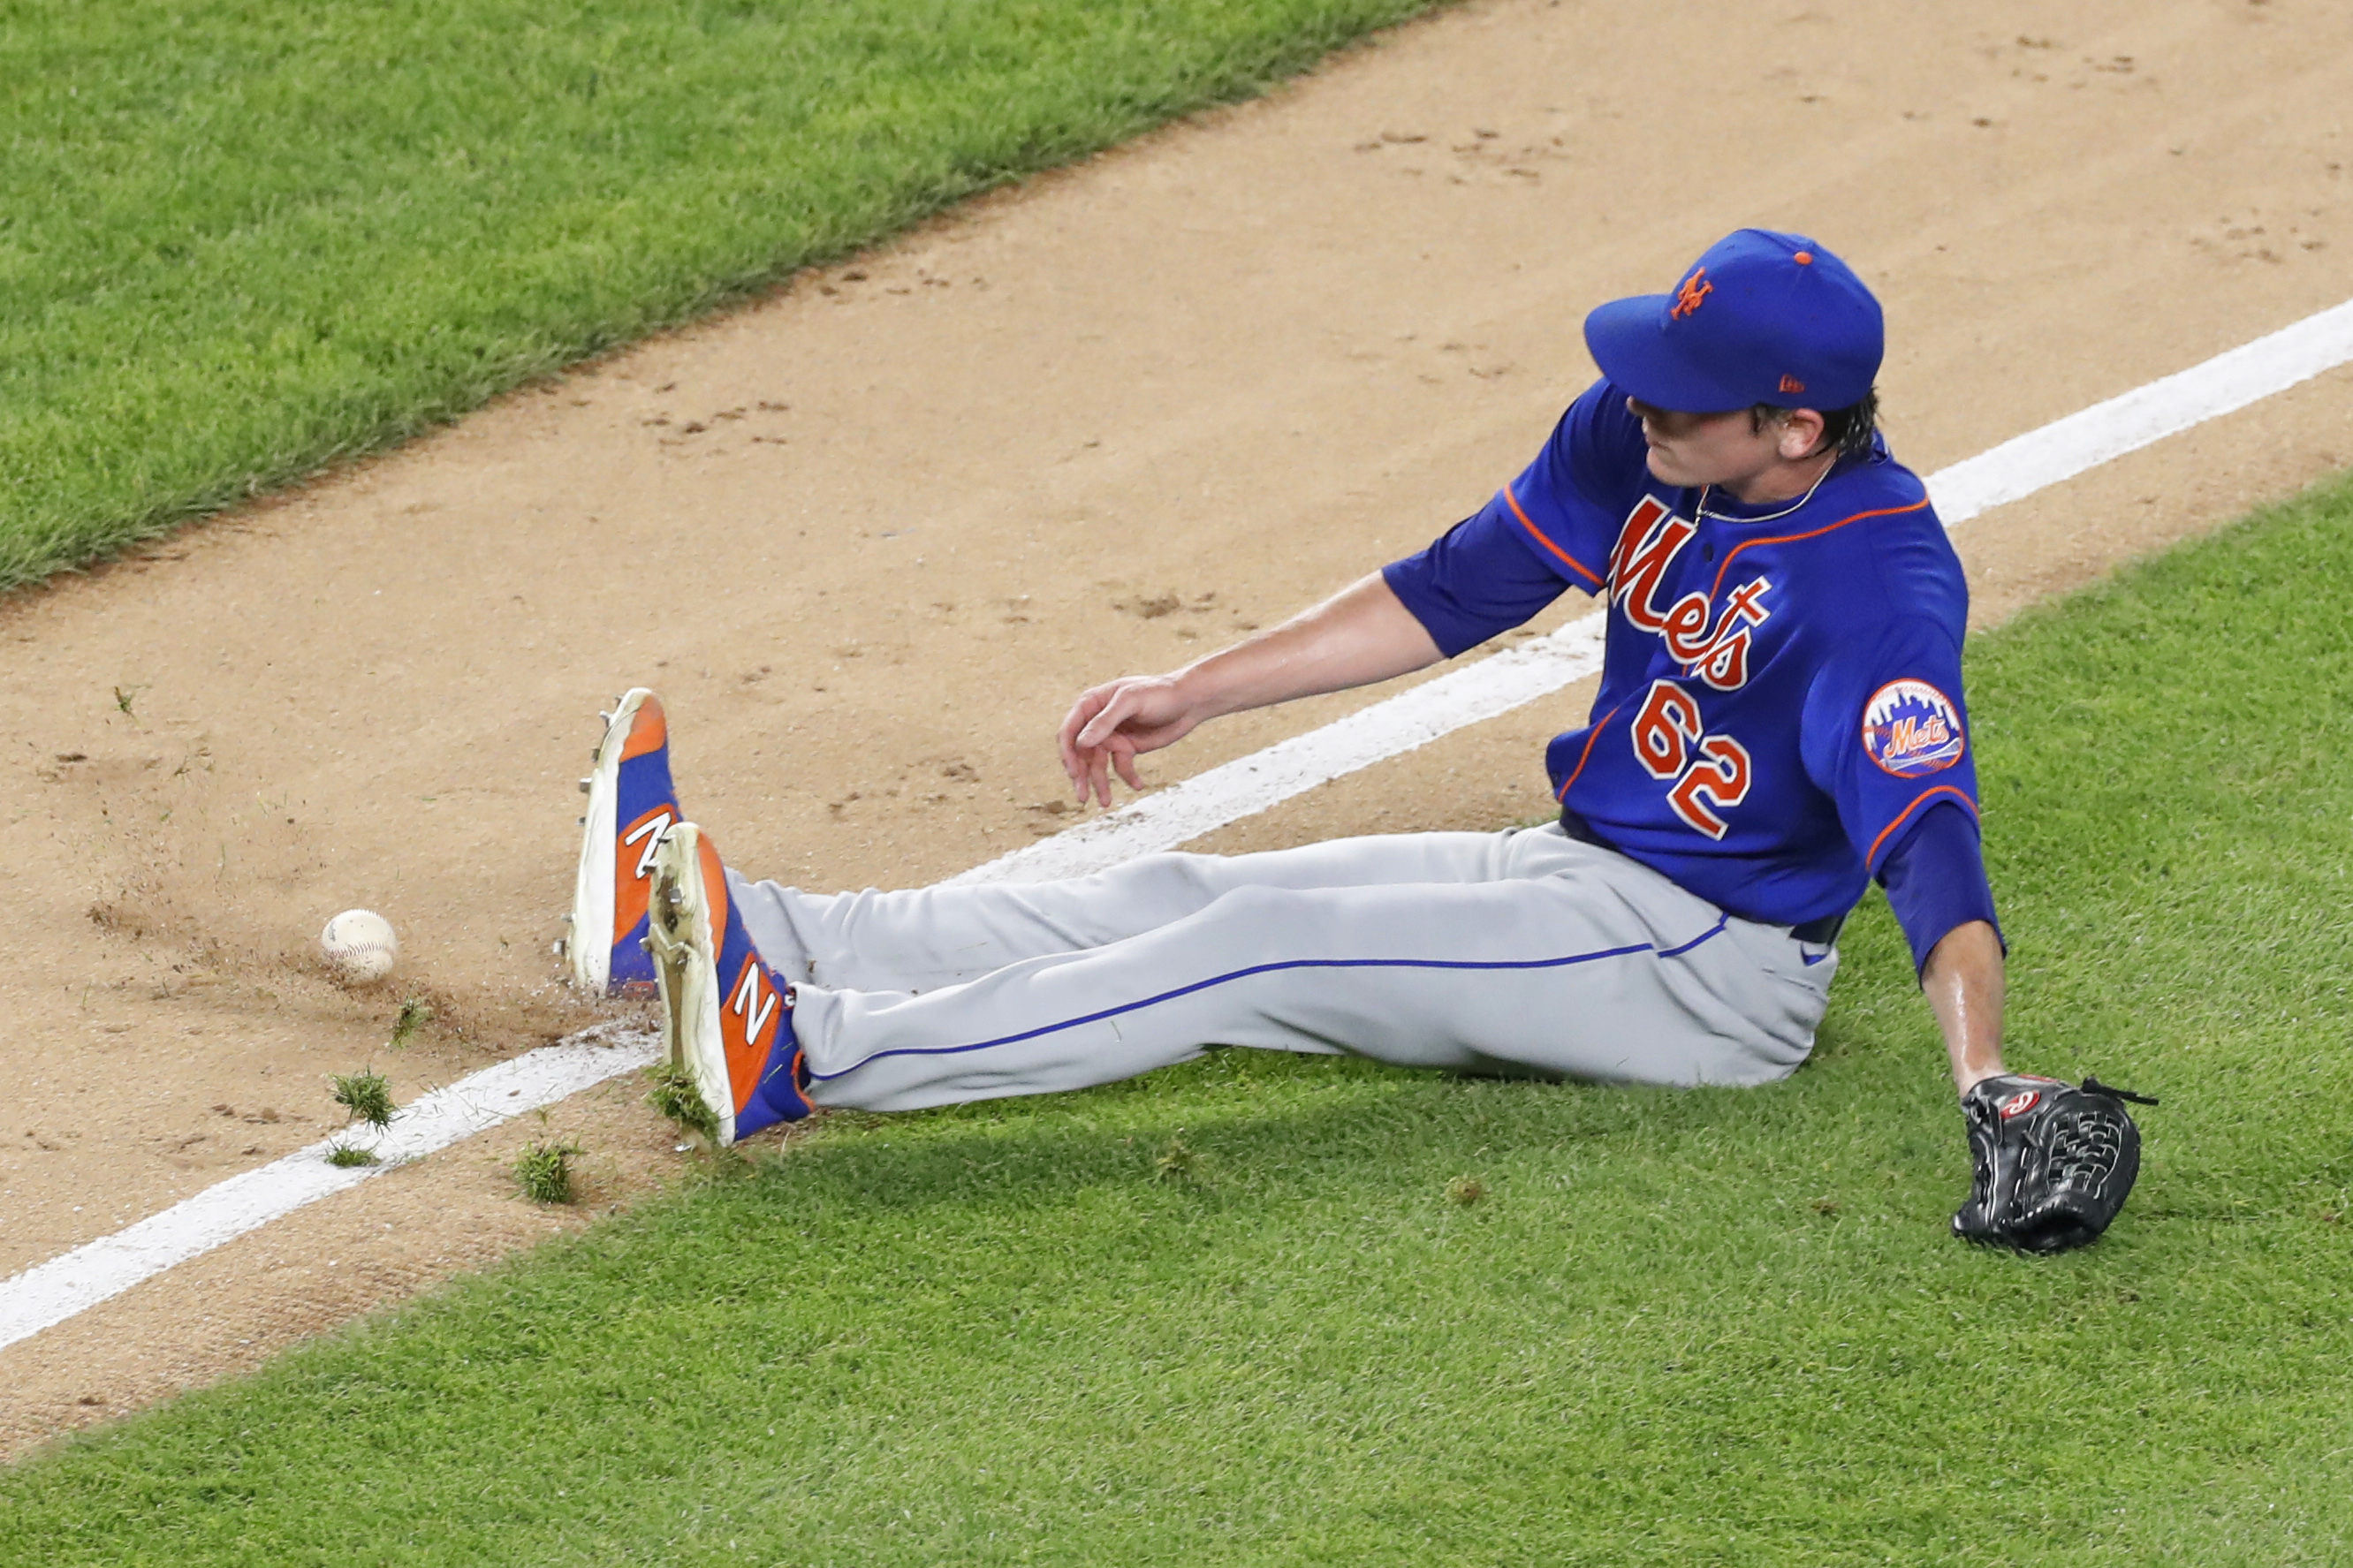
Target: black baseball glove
<point>2053,1162</point>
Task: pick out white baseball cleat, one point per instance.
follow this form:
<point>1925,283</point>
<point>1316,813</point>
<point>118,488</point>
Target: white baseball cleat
<point>631,803</point>
<point>727,1018</point>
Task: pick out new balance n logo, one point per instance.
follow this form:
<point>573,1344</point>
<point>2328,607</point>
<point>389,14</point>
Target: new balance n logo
<point>644,836</point>
<point>755,1001</point>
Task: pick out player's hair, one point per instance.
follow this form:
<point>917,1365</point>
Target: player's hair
<point>1846,431</point>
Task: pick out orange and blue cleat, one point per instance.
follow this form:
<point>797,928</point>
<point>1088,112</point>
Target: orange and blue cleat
<point>727,1018</point>
<point>631,803</point>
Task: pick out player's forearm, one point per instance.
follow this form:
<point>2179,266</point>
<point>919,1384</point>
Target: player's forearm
<point>1361,634</point>
<point>1963,982</point>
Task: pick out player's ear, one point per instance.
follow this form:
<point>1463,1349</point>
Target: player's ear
<point>1801,432</point>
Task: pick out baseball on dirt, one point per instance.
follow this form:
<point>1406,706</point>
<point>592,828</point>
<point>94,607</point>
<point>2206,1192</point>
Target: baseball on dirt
<point>359,947</point>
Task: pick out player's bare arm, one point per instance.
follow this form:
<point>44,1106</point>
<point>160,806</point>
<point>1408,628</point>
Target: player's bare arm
<point>1359,636</point>
<point>1963,982</point>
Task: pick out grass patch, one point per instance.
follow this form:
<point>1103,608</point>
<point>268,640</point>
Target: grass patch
<point>675,1096</point>
<point>242,239</point>
<point>543,1171</point>
<point>416,1012</point>
<point>1413,1319</point>
<point>367,1095</point>
<point>345,1156</point>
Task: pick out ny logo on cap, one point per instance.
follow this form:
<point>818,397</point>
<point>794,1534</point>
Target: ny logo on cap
<point>1688,297</point>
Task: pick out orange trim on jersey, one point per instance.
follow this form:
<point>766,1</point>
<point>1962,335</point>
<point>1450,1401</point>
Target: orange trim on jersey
<point>1917,801</point>
<point>1537,534</point>
<point>1587,754</point>
<point>1813,534</point>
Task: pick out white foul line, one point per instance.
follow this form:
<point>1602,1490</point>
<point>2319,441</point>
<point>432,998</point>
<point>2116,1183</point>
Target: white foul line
<point>2015,470</point>
<point>48,1293</point>
<point>51,1292</point>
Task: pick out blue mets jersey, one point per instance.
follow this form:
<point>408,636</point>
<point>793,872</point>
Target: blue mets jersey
<point>1780,691</point>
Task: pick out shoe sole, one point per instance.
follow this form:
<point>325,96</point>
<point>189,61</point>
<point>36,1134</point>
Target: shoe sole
<point>591,963</point>
<point>686,972</point>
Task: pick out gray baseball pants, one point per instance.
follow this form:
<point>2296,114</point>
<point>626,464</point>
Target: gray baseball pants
<point>1523,952</point>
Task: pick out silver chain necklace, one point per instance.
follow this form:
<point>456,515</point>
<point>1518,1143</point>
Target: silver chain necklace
<point>1699,508</point>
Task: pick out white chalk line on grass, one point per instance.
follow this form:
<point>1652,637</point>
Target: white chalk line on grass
<point>51,1292</point>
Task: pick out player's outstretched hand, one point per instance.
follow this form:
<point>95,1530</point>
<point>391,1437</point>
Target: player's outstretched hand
<point>2052,1163</point>
<point>1111,723</point>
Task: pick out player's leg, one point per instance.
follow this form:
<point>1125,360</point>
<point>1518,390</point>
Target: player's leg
<point>921,939</point>
<point>1583,965</point>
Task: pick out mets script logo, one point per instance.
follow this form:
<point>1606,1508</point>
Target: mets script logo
<point>1910,728</point>
<point>1694,290</point>
<point>1712,644</point>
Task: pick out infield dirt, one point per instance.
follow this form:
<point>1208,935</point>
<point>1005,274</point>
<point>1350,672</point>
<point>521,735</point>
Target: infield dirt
<point>868,537</point>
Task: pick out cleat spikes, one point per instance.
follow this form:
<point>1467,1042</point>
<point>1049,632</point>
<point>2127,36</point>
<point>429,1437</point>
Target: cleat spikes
<point>559,947</point>
<point>583,786</point>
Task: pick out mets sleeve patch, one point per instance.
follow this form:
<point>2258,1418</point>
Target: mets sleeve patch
<point>1911,729</point>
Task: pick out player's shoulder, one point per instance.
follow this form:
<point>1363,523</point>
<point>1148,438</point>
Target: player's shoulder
<point>1882,550</point>
<point>1598,440</point>
<point>1591,472</point>
<point>1600,411</point>
<point>1876,489</point>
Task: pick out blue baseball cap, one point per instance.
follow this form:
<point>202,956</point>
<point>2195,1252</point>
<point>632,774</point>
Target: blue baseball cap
<point>1762,318</point>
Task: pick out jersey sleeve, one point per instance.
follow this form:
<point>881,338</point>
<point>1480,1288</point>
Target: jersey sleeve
<point>1885,733</point>
<point>1934,871</point>
<point>1546,531</point>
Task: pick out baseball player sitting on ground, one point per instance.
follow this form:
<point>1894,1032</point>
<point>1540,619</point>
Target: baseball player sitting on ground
<point>1779,721</point>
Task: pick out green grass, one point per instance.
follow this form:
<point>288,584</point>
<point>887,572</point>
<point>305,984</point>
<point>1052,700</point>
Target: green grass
<point>367,1095</point>
<point>1265,1310</point>
<point>543,1171</point>
<point>673,1093</point>
<point>242,238</point>
<point>416,1012</point>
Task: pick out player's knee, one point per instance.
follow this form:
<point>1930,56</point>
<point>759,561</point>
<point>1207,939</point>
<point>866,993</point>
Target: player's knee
<point>1275,918</point>
<point>1245,903</point>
